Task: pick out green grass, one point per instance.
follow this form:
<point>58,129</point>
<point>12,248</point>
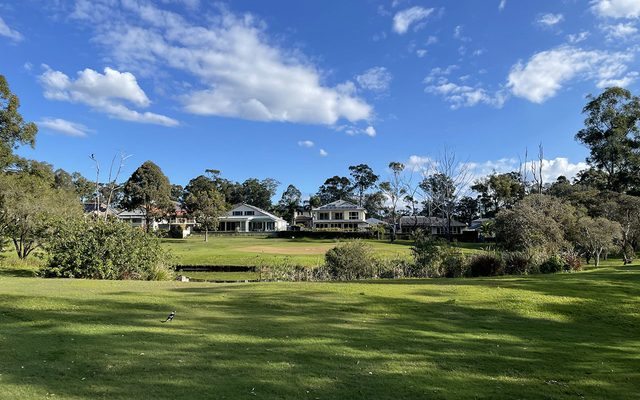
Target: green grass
<point>221,276</point>
<point>256,251</point>
<point>564,336</point>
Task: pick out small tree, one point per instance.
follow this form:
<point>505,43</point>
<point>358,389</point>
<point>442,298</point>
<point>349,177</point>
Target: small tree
<point>289,202</point>
<point>394,189</point>
<point>14,131</point>
<point>597,235</point>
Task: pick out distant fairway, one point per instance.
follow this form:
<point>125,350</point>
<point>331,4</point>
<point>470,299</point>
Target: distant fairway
<point>256,250</point>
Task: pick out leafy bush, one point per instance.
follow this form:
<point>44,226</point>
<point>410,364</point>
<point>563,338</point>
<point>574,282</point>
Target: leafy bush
<point>351,260</point>
<point>453,263</point>
<point>572,261</point>
<point>552,265</point>
<point>518,263</point>
<point>396,268</point>
<point>177,231</point>
<point>97,249</point>
<point>488,264</point>
<point>427,255</point>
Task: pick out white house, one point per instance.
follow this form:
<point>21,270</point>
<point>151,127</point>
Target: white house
<point>247,218</point>
<point>340,214</point>
<point>137,218</point>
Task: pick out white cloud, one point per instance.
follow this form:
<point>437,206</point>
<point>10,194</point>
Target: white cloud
<point>370,131</point>
<point>238,71</point>
<point>306,143</point>
<point>65,127</point>
<point>502,5</point>
<point>616,8</point>
<point>103,92</point>
<point>550,19</point>
<point>621,31</point>
<point>545,73</point>
<point>419,163</point>
<point>403,20</point>
<point>323,153</point>
<point>464,95</point>
<point>421,53</point>
<point>431,40</point>
<point>376,79</point>
<point>577,37</point>
<point>9,33</point>
<point>551,169</point>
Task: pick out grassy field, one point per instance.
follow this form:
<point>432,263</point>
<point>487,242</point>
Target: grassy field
<point>564,336</point>
<point>256,251</point>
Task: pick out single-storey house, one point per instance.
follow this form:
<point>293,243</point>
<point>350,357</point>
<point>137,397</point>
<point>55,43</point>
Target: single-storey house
<point>431,225</point>
<point>341,215</point>
<point>247,218</point>
<point>137,218</point>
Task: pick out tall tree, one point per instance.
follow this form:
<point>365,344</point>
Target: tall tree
<point>290,201</point>
<point>259,192</point>
<point>363,179</point>
<point>612,134</point>
<point>205,203</point>
<point>499,191</point>
<point>14,131</point>
<point>336,188</point>
<point>394,189</point>
<point>467,209</point>
<point>148,188</point>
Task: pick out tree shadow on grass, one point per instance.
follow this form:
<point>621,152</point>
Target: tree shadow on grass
<point>312,341</point>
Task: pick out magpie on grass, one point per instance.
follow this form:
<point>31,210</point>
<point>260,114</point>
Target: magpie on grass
<point>170,317</point>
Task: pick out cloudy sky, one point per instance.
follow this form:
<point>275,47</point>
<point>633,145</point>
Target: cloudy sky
<point>300,90</point>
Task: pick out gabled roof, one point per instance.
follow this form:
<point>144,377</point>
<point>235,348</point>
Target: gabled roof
<point>375,221</point>
<point>339,205</point>
<point>420,220</point>
<point>268,214</point>
<point>138,212</point>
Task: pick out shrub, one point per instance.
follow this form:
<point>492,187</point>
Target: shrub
<point>572,261</point>
<point>454,263</point>
<point>396,268</point>
<point>97,249</point>
<point>552,265</point>
<point>489,264</point>
<point>518,263</point>
<point>177,231</point>
<point>351,260</point>
<point>427,255</point>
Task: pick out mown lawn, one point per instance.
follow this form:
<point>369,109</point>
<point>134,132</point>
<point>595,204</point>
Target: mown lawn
<point>256,251</point>
<point>564,336</point>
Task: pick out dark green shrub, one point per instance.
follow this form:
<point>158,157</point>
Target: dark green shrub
<point>488,264</point>
<point>552,265</point>
<point>97,249</point>
<point>351,260</point>
<point>177,231</point>
<point>454,263</point>
<point>518,263</point>
<point>427,255</point>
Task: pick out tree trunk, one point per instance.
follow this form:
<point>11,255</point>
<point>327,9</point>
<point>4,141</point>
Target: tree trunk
<point>206,234</point>
<point>598,258</point>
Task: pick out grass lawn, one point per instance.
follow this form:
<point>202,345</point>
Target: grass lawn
<point>564,336</point>
<point>256,251</point>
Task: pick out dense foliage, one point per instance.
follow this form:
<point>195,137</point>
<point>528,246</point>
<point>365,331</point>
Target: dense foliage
<point>98,249</point>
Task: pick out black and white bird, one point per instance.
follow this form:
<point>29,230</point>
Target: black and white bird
<point>170,317</point>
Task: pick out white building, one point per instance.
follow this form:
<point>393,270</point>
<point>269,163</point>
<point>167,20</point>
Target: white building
<point>247,218</point>
<point>137,218</point>
<point>341,215</point>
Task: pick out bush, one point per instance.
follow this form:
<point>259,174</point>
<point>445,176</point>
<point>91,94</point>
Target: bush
<point>396,268</point>
<point>518,263</point>
<point>453,263</point>
<point>351,260</point>
<point>97,249</point>
<point>552,265</point>
<point>572,261</point>
<point>489,264</point>
<point>427,255</point>
<point>177,231</point>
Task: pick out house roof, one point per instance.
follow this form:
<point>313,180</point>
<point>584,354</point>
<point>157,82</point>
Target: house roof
<point>477,223</point>
<point>375,221</point>
<point>138,212</point>
<point>268,214</point>
<point>90,207</point>
<point>339,205</point>
<point>420,220</point>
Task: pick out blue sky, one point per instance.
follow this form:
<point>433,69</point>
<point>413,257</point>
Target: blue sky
<point>300,90</point>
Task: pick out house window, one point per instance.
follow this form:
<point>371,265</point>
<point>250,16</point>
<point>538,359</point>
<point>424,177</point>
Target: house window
<point>353,215</point>
<point>237,213</point>
<point>338,215</point>
<point>323,216</point>
<point>249,213</point>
